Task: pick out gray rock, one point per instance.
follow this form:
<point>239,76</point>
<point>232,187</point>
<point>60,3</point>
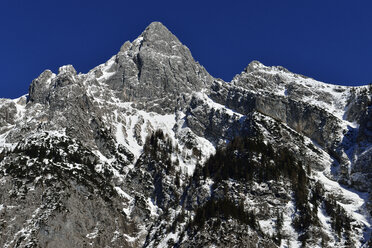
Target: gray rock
<point>40,87</point>
<point>8,112</point>
<point>157,66</point>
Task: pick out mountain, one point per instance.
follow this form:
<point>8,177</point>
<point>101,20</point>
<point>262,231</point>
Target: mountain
<point>150,150</point>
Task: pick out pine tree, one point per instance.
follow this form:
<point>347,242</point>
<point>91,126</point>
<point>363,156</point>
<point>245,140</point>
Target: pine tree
<point>279,226</point>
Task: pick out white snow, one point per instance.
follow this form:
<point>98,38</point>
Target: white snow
<point>326,223</point>
<point>93,234</point>
<point>3,143</point>
<point>106,73</point>
<point>208,185</point>
<point>267,226</point>
<point>336,96</point>
<point>217,106</point>
<point>152,207</point>
<point>354,201</point>
<point>288,230</point>
<point>129,238</point>
<point>169,236</point>
<point>122,193</point>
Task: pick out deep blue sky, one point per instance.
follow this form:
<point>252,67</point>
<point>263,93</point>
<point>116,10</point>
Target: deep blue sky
<point>328,40</point>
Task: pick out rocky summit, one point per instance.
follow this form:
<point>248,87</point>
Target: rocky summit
<point>150,150</point>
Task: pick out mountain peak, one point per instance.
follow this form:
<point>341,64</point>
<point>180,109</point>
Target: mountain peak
<point>157,31</point>
<point>156,25</point>
<point>253,66</point>
<point>67,69</point>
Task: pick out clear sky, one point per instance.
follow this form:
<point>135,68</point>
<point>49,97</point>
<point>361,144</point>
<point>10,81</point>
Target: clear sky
<point>329,40</point>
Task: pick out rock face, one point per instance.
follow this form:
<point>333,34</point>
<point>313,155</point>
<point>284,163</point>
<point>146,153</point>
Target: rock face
<point>8,112</point>
<point>149,150</point>
<point>156,67</point>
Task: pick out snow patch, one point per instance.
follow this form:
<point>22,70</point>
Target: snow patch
<point>152,207</point>
<point>93,234</point>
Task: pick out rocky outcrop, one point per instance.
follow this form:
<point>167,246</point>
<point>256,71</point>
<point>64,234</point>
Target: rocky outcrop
<point>216,123</point>
<point>156,66</point>
<point>62,201</point>
<point>312,121</point>
<point>8,112</point>
<point>40,87</point>
<point>365,128</point>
